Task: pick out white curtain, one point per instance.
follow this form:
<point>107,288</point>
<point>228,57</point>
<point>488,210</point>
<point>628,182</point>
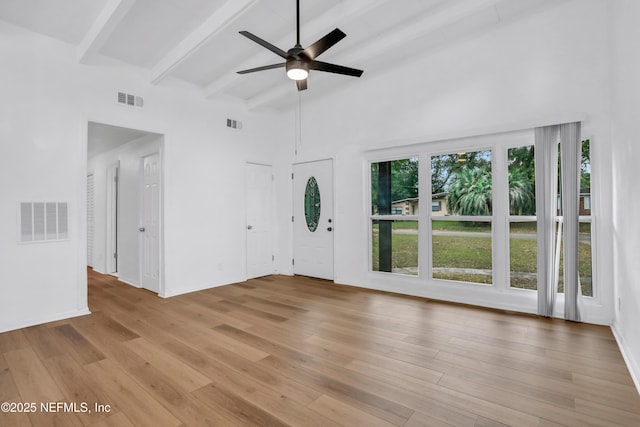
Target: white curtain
<point>570,152</point>
<point>546,157</point>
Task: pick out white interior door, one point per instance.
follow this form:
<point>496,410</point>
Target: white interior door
<point>258,197</point>
<point>313,219</point>
<point>150,224</point>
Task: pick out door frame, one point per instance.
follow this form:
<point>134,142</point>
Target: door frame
<point>113,213</point>
<point>84,136</point>
<point>333,212</point>
<point>91,228</point>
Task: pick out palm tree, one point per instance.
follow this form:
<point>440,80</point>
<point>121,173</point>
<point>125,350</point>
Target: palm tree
<point>521,194</point>
<point>470,192</point>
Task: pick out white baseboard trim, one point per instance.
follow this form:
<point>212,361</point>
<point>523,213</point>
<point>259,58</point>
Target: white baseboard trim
<point>130,282</point>
<point>190,290</point>
<point>632,364</point>
<point>25,323</point>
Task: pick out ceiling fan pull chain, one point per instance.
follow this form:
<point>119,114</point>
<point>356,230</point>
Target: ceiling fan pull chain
<point>300,119</point>
<point>298,22</point>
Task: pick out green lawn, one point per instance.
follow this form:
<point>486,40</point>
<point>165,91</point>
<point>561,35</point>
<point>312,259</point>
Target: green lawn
<point>516,227</point>
<point>474,252</point>
<point>460,226</point>
<point>404,247</point>
<point>462,252</point>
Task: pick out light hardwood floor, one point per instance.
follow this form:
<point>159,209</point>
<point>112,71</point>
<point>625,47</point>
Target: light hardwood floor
<point>298,351</point>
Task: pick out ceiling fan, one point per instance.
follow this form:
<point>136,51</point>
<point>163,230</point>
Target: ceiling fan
<point>298,60</point>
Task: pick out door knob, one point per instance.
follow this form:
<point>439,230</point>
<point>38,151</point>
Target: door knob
<point>329,229</point>
<point>249,227</point>
<point>141,229</point>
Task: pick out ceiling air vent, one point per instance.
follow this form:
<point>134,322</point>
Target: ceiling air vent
<point>128,99</point>
<point>234,124</point>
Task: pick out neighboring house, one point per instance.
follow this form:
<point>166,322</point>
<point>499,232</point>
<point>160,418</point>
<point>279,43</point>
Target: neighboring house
<point>585,203</point>
<point>439,204</point>
<point>410,206</point>
<point>405,206</point>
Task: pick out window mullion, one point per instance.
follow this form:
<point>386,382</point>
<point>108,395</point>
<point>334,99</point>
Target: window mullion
<point>500,223</point>
<point>424,216</point>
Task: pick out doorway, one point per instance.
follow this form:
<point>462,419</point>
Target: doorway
<point>313,219</point>
<point>126,236</point>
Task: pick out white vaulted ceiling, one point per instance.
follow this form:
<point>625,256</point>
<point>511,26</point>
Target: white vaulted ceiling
<point>197,40</point>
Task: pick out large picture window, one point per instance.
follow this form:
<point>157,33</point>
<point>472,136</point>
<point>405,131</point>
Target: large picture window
<point>477,223</point>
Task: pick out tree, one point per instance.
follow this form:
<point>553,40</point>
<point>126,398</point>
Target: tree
<point>404,179</point>
<point>470,192</point>
<point>442,169</point>
<point>522,178</point>
<point>521,193</point>
<point>585,167</point>
<point>445,167</point>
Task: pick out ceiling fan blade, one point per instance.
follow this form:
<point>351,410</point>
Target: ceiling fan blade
<point>266,67</point>
<point>265,44</point>
<point>302,84</point>
<point>333,68</point>
<point>324,43</point>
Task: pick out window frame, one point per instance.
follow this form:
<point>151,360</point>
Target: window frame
<point>454,149</point>
<point>393,217</point>
<point>590,219</point>
<point>516,218</point>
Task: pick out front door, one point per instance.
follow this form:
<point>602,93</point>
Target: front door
<point>258,198</point>
<point>313,219</point>
<point>150,224</point>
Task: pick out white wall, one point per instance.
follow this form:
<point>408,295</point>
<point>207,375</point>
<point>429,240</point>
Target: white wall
<point>546,66</point>
<point>626,151</point>
<point>47,101</point>
<point>129,157</point>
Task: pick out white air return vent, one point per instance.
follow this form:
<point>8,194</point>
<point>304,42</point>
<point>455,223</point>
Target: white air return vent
<point>128,99</point>
<point>44,221</point>
<point>234,124</point>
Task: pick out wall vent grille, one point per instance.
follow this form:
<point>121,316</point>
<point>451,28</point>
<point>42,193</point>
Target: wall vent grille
<point>128,99</point>
<point>44,221</point>
<point>234,124</point>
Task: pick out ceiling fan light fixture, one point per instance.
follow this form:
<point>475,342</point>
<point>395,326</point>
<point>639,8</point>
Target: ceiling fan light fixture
<point>297,69</point>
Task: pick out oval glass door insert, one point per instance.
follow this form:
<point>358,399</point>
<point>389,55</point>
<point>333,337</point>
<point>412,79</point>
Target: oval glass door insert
<point>312,204</point>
